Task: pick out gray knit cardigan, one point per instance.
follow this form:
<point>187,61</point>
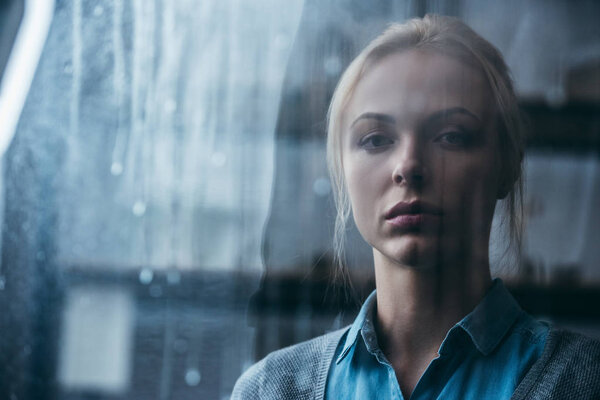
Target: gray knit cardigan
<point>569,368</point>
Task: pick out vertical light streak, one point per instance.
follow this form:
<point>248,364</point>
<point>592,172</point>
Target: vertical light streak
<point>118,87</point>
<point>76,64</point>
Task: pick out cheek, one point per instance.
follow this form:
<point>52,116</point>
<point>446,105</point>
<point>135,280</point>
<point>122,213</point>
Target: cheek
<point>364,184</point>
<point>355,180</point>
<point>470,187</point>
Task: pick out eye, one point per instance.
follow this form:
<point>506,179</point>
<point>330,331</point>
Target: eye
<point>456,139</point>
<point>375,141</point>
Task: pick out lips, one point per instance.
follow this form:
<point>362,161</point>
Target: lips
<point>413,216</point>
<point>412,208</point>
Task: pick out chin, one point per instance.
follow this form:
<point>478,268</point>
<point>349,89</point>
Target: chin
<point>409,251</point>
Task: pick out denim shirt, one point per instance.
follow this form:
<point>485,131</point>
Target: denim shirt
<point>483,356</point>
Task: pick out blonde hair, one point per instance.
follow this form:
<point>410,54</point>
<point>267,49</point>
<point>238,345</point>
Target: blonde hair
<point>451,37</point>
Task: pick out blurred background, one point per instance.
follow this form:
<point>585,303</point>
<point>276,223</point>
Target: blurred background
<point>165,206</point>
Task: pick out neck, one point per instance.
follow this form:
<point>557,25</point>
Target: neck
<point>416,307</point>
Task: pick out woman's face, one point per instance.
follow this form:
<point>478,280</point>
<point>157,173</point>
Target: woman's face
<point>419,159</point>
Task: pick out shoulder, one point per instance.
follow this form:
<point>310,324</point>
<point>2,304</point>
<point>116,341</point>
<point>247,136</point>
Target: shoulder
<point>573,353</point>
<point>292,372</point>
<point>579,346</point>
<point>569,367</point>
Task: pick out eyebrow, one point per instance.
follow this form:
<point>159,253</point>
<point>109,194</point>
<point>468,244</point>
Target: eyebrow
<point>438,115</point>
<point>388,119</point>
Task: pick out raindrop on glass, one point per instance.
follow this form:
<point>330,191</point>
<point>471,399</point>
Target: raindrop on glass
<point>218,159</point>
<point>68,68</point>
<point>2,283</point>
<point>98,11</point>
<point>146,276</point>
<point>192,377</point>
<point>321,186</point>
<point>116,168</point>
<point>173,277</point>
<point>139,208</point>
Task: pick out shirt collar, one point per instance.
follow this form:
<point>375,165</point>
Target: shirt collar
<point>486,325</point>
<point>489,322</point>
<point>364,318</point>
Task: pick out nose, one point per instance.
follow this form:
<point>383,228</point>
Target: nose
<point>409,168</point>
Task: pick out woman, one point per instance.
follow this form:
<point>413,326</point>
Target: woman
<point>423,139</point>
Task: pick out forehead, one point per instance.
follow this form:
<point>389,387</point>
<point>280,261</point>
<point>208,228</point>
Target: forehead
<point>412,84</point>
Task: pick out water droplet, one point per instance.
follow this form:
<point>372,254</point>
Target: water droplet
<point>155,291</point>
<point>170,106</point>
<point>332,65</point>
<point>40,256</point>
<point>98,11</point>
<point>173,277</point>
<point>146,276</point>
<point>192,377</point>
<point>68,68</point>
<point>218,159</point>
<point>2,283</point>
<point>139,208</point>
<point>116,168</point>
<point>321,186</point>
